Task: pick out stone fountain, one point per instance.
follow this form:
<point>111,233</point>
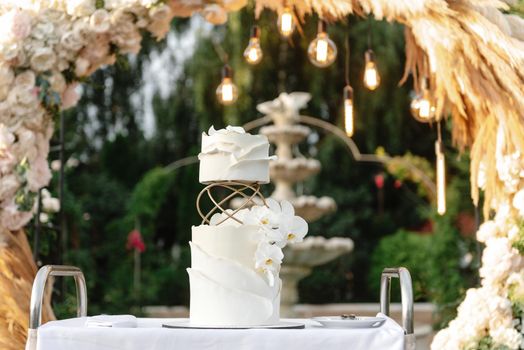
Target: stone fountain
<point>285,133</point>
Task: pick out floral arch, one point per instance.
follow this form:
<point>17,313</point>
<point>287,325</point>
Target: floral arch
<point>472,52</point>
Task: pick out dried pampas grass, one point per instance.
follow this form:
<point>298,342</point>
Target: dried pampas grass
<point>472,54</point>
<point>17,271</point>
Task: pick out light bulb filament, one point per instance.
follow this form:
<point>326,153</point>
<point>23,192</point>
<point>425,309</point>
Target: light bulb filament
<point>348,111</point>
<point>371,76</point>
<point>286,22</point>
<point>322,50</point>
<point>348,117</point>
<point>227,92</point>
<point>441,180</point>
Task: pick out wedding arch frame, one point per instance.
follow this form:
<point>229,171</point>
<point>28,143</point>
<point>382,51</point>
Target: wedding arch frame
<point>471,51</point>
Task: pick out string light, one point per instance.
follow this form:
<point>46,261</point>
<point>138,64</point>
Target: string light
<point>286,22</point>
<point>422,106</point>
<point>253,52</point>
<point>322,51</point>
<point>371,76</point>
<point>441,174</point>
<point>349,122</point>
<point>227,92</point>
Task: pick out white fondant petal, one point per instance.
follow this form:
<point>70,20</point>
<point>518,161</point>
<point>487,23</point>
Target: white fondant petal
<point>230,274</point>
<point>213,304</point>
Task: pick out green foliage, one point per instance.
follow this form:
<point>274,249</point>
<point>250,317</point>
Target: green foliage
<point>487,343</point>
<point>405,249</point>
<point>434,264</point>
<point>519,243</point>
<point>150,194</point>
<point>518,8</point>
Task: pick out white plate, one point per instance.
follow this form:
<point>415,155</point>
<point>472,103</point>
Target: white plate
<point>186,324</point>
<point>358,322</point>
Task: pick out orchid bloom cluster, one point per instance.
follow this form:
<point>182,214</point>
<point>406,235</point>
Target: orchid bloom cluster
<point>278,226</point>
<point>492,316</point>
<point>46,49</point>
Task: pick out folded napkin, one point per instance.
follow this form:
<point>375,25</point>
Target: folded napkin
<point>117,321</point>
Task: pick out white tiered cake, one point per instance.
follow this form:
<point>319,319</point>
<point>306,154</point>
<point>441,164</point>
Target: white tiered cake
<point>235,261</point>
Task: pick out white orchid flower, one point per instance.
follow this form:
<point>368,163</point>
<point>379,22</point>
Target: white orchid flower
<point>293,230</point>
<point>267,217</point>
<point>268,258</point>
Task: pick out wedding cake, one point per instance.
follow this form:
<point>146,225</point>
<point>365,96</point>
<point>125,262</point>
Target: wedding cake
<point>236,255</point>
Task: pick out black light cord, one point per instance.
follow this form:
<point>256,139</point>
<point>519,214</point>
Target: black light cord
<point>370,38</point>
<point>347,60</point>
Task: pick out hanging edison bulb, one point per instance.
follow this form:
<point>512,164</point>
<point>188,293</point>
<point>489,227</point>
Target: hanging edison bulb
<point>371,76</point>
<point>253,52</point>
<point>286,22</point>
<point>322,51</point>
<point>227,92</point>
<point>441,178</point>
<point>349,122</point>
<point>423,105</point>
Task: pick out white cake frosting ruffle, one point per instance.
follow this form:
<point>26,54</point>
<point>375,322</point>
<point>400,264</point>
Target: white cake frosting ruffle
<point>231,154</point>
<point>225,288</point>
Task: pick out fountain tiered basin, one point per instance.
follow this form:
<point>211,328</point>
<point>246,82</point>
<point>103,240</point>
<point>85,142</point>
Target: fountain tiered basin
<point>291,134</point>
<point>293,170</point>
<point>300,260</point>
<point>312,208</point>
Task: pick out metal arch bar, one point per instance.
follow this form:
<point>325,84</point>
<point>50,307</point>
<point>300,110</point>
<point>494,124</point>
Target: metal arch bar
<point>37,294</point>
<point>406,293</point>
<point>352,147</point>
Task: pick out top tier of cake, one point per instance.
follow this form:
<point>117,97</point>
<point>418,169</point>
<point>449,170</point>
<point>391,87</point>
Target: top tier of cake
<point>231,154</point>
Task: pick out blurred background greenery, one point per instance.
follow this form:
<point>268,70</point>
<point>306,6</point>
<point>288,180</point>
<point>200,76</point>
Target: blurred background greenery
<point>124,142</point>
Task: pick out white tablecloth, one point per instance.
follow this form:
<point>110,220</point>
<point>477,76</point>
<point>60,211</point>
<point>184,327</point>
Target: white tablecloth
<point>149,335</point>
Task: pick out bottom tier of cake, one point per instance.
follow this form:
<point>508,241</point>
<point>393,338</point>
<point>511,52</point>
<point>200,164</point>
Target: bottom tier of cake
<point>225,288</point>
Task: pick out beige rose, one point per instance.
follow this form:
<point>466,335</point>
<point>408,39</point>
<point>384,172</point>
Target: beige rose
<point>43,59</point>
<point>70,41</point>
<point>57,82</point>
<point>26,80</point>
<point>81,67</point>
<point>100,21</point>
<point>80,8</point>
<point>6,74</point>
<point>160,13</point>
<point>4,92</point>
<point>13,219</point>
<point>62,64</point>
<point>43,30</point>
<point>38,174</point>
<point>21,96</point>
<point>8,186</point>
<point>54,16</point>
<point>9,51</point>
<point>70,96</point>
<point>159,29</point>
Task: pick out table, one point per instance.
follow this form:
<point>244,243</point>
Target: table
<point>71,334</point>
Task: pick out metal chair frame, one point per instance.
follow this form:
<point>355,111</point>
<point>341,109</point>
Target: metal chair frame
<point>40,282</point>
